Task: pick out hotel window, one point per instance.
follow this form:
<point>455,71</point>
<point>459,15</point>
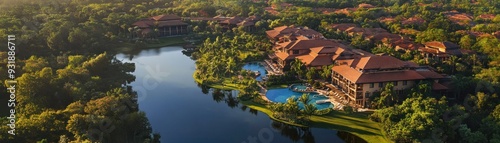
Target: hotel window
<point>372,85</point>
<point>381,85</point>
<point>395,83</point>
<point>295,51</point>
<point>405,82</point>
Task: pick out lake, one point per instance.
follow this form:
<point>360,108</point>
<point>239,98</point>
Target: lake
<point>184,112</point>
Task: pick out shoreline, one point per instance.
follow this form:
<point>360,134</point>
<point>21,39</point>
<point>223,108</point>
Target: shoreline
<point>355,123</point>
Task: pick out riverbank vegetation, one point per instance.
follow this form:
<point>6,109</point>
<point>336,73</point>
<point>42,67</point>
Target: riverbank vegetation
<point>70,88</point>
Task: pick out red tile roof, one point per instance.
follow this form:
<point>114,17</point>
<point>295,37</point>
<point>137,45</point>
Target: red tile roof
<point>486,16</point>
<point>358,77</point>
<point>442,45</point>
<point>307,44</point>
<point>365,5</point>
<point>166,17</point>
<point>379,62</point>
<point>292,31</point>
<point>428,74</point>
<point>343,26</point>
<point>413,20</point>
<point>438,86</point>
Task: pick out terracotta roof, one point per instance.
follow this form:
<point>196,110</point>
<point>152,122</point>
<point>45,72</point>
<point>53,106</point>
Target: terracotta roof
<point>144,23</point>
<point>343,26</point>
<point>486,16</point>
<point>233,20</point>
<point>166,17</point>
<point>428,74</point>
<point>284,56</point>
<point>386,19</point>
<point>386,36</point>
<point>358,77</point>
<point>459,18</point>
<point>365,5</point>
<point>325,10</point>
<point>442,45</point>
<point>306,44</point>
<point>345,11</point>
<point>413,20</point>
<point>324,50</point>
<point>316,60</point>
<point>438,86</point>
<point>292,31</point>
<point>245,23</point>
<point>379,62</point>
<point>497,34</point>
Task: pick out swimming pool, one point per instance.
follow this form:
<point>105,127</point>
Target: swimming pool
<point>281,94</point>
<point>300,87</point>
<point>256,67</point>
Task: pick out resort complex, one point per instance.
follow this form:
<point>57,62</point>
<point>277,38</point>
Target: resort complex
<point>248,71</point>
<point>356,74</point>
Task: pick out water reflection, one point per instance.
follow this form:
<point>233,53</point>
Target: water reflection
<point>181,113</point>
<point>294,133</point>
<point>350,138</point>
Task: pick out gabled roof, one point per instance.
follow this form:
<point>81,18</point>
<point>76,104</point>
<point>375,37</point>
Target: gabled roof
<point>365,5</point>
<point>307,44</point>
<point>442,45</point>
<point>379,62</point>
<point>358,77</point>
<point>324,50</point>
<point>343,26</point>
<point>233,20</point>
<point>166,17</point>
<point>144,23</point>
<point>294,31</point>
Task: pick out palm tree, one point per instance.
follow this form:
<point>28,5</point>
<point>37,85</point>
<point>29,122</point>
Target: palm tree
<point>453,61</point>
<point>304,98</point>
<point>309,110</point>
<point>297,67</point>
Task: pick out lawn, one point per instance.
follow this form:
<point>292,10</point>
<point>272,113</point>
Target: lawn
<point>355,123</point>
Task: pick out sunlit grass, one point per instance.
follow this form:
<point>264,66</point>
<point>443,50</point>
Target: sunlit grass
<point>355,123</point>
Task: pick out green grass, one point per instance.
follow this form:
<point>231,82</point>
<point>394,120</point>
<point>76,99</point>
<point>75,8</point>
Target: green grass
<point>278,86</point>
<point>225,85</point>
<point>355,123</point>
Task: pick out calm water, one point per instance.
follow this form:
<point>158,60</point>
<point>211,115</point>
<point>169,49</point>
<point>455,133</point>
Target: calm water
<point>184,112</point>
<point>282,94</point>
<point>256,67</point>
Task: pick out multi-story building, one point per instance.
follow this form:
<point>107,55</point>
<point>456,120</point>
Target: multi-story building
<point>361,77</point>
<point>291,33</point>
<point>167,25</point>
<point>442,50</point>
<point>313,53</point>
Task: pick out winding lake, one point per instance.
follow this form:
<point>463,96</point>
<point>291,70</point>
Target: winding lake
<point>184,112</point>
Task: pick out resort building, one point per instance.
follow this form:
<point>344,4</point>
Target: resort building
<point>378,36</point>
<point>359,78</point>
<point>291,33</point>
<point>229,23</point>
<point>166,25</point>
<point>313,53</point>
<point>441,50</point>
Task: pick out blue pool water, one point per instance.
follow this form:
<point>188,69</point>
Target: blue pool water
<point>303,87</point>
<point>281,94</point>
<point>256,67</point>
